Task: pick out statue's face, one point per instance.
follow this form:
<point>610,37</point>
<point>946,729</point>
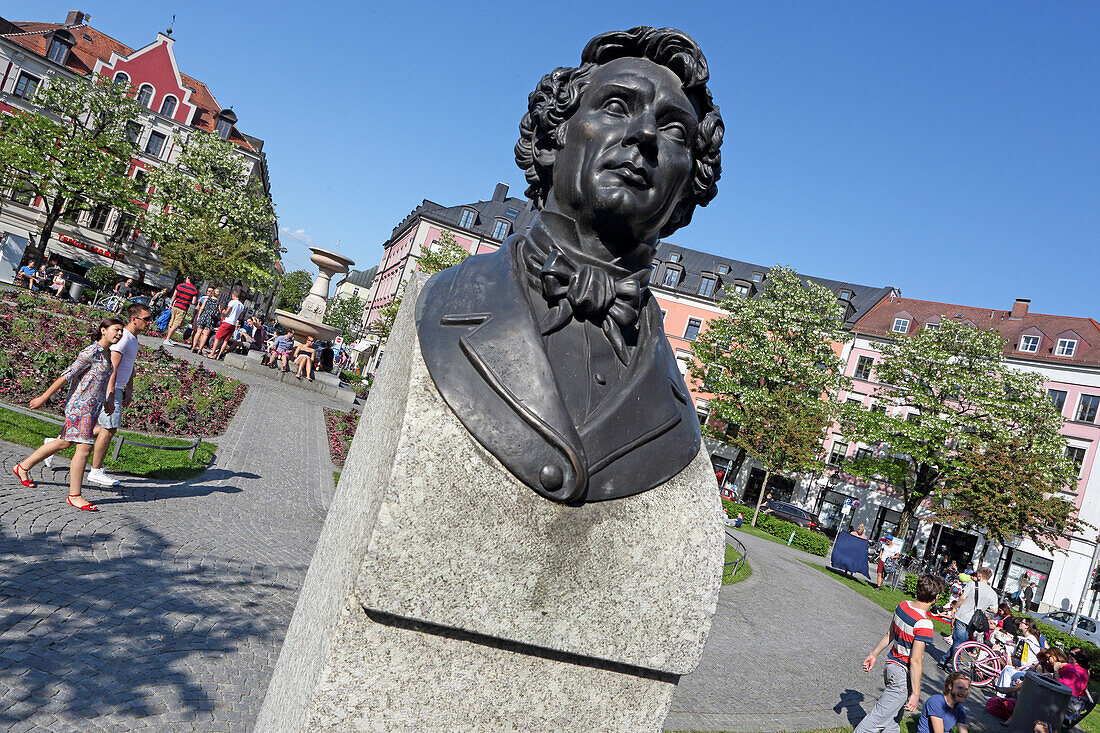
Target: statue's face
<point>627,152</point>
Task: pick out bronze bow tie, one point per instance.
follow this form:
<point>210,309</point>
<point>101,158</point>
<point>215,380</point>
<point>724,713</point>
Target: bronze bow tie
<point>589,293</point>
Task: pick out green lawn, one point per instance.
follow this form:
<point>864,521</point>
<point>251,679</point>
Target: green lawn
<point>744,571</point>
<point>335,478</point>
<point>15,427</point>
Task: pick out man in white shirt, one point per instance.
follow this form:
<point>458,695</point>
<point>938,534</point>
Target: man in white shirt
<point>231,314</point>
<point>892,548</point>
<point>977,596</point>
<point>119,386</point>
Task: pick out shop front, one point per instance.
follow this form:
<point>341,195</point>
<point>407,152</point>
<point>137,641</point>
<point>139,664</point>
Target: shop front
<point>1019,567</point>
<point>946,545</point>
<point>830,511</point>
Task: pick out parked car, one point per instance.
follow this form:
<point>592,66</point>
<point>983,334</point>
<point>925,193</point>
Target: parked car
<point>1086,625</point>
<point>791,513</point>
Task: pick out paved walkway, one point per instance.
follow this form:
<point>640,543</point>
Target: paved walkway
<point>785,653</point>
<point>165,610</point>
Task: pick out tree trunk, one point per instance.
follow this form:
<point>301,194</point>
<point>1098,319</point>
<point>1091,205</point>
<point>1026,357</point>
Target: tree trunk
<point>52,215</point>
<point>760,498</point>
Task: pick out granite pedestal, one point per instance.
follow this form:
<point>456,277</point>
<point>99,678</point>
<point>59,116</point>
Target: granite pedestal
<point>446,595</point>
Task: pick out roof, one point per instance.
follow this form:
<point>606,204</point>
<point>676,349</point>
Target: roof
<point>360,278</point>
<point>93,45</point>
<point>879,321</point>
<point>487,214</point>
<point>694,263</point>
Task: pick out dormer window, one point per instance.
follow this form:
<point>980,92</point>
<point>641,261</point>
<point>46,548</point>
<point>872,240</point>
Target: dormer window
<point>846,294</point>
<point>60,46</point>
<point>1030,344</point>
<point>901,325</point>
<point>168,106</point>
<point>469,217</point>
<point>224,126</point>
<point>122,79</point>
<point>145,95</point>
<point>500,229</point>
<point>723,269</point>
<point>741,289</point>
<point>1066,347</point>
<point>706,285</point>
<point>673,256</point>
<point>672,277</point>
<point>511,213</point>
<point>758,277</point>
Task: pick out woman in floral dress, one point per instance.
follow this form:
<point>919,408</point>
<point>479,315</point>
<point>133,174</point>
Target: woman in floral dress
<point>88,377</point>
<point>207,319</point>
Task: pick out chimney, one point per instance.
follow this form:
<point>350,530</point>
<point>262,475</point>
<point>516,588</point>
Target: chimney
<point>1019,309</point>
<point>500,192</point>
<point>75,17</point>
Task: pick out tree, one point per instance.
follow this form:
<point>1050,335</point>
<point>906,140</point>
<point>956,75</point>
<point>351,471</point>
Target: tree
<point>103,277</point>
<point>74,152</point>
<point>951,402</point>
<point>292,290</point>
<point>346,313</point>
<point>771,368</point>
<point>448,254</point>
<point>210,218</point>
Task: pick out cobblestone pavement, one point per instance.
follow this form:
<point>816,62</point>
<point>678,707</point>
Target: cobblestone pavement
<point>785,654</point>
<point>165,610</point>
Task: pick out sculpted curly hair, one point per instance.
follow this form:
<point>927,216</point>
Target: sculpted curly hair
<point>558,96</point>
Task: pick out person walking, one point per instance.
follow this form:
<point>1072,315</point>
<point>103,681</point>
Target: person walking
<point>89,376</point>
<point>119,391</point>
<point>231,313</point>
<point>181,303</point>
<point>891,549</point>
<point>977,596</point>
<point>944,712</point>
<point>910,631</point>
<point>206,319</point>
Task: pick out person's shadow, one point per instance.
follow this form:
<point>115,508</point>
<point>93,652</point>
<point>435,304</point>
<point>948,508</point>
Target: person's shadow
<point>850,703</point>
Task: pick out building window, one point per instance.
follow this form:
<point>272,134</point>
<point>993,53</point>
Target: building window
<point>878,407</point>
<point>673,256</point>
<point>858,401</point>
<point>59,52</point>
<point>1057,398</point>
<point>1076,456</point>
<point>838,452</point>
<point>863,454</point>
<point>931,327</point>
<point>155,144</point>
<point>223,128</point>
<point>1087,407</point>
<point>145,95</point>
<point>133,131</point>
<point>863,368</point>
<point>692,331</point>
<point>846,294</point>
<point>758,277</point>
<point>913,417</point>
<point>1029,344</point>
<point>168,106</point>
<point>26,86</point>
<point>500,229</point>
<point>122,79</point>
<point>702,411</point>
<point>469,216</point>
<point>99,217</point>
<point>672,276</point>
<point>706,286</point>
<point>511,213</point>
<point>901,325</point>
<point>124,228</point>
<point>1065,347</point>
<point>742,290</point>
<point>723,269</point>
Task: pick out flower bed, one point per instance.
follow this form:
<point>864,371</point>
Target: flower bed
<point>341,429</point>
<point>170,396</point>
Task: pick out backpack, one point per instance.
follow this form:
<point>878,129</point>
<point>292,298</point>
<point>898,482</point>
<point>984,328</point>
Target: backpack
<point>979,623</point>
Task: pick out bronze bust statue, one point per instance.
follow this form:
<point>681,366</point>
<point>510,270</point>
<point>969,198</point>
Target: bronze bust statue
<point>551,351</point>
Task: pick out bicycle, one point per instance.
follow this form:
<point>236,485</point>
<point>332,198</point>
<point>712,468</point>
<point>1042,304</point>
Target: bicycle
<point>981,661</point>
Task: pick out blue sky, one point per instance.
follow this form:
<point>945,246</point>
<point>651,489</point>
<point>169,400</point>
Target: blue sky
<point>949,149</point>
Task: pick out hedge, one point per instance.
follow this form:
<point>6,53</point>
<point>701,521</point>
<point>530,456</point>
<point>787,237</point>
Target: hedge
<point>1057,637</point>
<point>804,539</point>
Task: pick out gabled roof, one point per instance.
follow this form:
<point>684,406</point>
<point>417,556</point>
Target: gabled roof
<point>695,263</point>
<point>879,321</point>
<point>93,45</point>
<point>488,212</point>
<point>360,278</point>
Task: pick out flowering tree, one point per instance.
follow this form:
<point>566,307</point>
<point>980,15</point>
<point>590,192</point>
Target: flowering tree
<point>73,152</point>
<point>292,290</point>
<point>209,217</point>
<point>346,313</point>
<point>952,405</point>
<point>771,368</point>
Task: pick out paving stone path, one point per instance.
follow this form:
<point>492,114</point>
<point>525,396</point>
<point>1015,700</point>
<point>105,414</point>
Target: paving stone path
<point>165,610</point>
<point>785,653</point>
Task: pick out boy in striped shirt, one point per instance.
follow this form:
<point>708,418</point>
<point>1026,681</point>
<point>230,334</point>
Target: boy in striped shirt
<point>910,630</point>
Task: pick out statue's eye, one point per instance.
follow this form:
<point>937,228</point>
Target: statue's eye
<point>615,106</point>
<point>675,131</point>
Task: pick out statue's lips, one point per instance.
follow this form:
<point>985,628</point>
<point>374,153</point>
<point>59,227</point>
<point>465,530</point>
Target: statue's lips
<point>631,174</point>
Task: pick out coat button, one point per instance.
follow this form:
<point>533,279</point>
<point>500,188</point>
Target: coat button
<point>550,477</point>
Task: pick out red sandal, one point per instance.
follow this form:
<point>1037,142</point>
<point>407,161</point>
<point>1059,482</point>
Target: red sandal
<point>89,507</point>
<point>25,481</point>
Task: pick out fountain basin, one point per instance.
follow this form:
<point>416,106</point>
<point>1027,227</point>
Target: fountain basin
<point>305,327</point>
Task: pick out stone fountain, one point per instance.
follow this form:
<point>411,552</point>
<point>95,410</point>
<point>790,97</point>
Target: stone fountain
<point>309,319</point>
